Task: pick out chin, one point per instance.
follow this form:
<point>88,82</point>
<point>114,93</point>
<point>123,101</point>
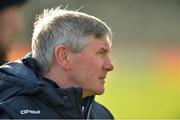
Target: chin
<point>100,92</point>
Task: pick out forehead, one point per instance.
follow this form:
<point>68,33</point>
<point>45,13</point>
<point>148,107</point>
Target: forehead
<point>103,42</point>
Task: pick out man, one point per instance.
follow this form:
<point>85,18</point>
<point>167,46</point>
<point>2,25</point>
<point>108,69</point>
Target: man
<point>67,68</point>
<point>10,24</point>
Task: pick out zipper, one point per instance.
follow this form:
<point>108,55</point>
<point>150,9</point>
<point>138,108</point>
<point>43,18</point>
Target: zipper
<point>89,110</point>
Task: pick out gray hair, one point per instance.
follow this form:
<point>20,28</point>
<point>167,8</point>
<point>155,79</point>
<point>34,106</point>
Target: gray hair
<point>73,29</point>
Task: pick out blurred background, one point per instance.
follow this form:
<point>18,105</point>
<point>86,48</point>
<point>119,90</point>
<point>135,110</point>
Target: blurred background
<point>145,83</point>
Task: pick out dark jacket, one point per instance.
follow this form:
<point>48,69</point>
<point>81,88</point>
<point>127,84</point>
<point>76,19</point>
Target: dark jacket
<point>24,94</point>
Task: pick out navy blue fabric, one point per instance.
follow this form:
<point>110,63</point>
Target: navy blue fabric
<point>24,94</point>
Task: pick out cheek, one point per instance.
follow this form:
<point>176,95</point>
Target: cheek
<point>88,67</point>
<point>94,66</point>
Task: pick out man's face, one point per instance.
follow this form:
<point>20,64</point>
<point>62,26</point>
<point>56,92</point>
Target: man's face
<point>89,67</point>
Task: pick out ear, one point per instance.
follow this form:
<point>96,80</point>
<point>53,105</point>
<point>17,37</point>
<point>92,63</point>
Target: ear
<point>61,57</point>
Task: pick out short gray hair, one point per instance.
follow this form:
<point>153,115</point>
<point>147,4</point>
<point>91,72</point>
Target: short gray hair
<point>70,28</point>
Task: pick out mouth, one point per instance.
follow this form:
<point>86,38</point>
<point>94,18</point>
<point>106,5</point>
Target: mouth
<point>102,78</point>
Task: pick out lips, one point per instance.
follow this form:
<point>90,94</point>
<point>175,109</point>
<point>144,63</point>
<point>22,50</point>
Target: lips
<point>102,77</point>
<point>102,80</point>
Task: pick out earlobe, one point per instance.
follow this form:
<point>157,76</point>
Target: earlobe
<point>61,57</point>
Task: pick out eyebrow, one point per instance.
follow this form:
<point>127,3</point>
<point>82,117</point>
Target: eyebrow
<point>104,50</point>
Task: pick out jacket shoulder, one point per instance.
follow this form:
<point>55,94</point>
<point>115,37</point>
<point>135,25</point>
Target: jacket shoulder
<point>99,111</point>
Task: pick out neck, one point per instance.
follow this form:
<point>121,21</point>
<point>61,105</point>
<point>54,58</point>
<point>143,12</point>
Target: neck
<point>60,78</point>
<point>63,81</point>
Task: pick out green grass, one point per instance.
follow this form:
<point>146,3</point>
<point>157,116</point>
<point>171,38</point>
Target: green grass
<point>142,94</point>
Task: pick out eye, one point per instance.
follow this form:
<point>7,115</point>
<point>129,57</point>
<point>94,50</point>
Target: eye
<point>102,53</point>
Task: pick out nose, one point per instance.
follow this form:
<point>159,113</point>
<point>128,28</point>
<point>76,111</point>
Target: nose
<point>108,64</point>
